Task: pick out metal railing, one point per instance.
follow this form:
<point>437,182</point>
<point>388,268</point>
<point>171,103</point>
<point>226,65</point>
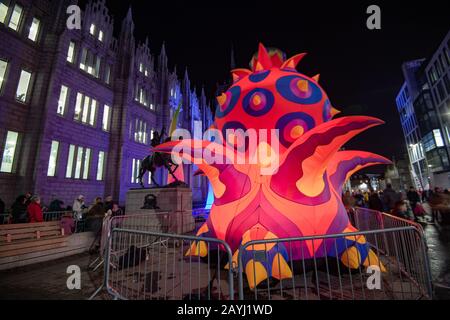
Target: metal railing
<point>6,218</point>
<point>163,222</point>
<point>368,219</point>
<point>143,265</point>
<point>399,254</point>
<point>55,215</point>
<point>79,225</point>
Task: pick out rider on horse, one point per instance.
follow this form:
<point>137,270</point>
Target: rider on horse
<point>156,160</point>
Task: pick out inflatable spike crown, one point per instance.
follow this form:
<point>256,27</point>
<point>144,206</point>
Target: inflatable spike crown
<point>303,197</point>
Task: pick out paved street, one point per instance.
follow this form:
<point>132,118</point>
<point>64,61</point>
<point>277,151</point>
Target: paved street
<point>438,240</point>
<point>48,280</point>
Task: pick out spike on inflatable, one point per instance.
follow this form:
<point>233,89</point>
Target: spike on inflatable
<point>303,195</point>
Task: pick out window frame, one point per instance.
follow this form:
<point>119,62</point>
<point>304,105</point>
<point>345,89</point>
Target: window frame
<point>57,157</point>
<point>101,171</point>
<point>108,121</point>
<point>66,101</point>
<point>74,50</point>
<point>38,31</point>
<point>5,75</point>
<point>8,7</point>
<point>82,174</point>
<point>29,86</point>
<point>21,18</point>
<point>86,114</point>
<point>15,153</point>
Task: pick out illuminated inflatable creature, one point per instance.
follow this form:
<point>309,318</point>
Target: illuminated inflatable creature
<point>303,196</point>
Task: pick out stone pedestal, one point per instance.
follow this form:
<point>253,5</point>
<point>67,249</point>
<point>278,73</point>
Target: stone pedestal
<point>175,208</point>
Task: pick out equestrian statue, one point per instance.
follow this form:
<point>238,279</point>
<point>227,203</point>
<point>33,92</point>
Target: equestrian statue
<point>157,160</point>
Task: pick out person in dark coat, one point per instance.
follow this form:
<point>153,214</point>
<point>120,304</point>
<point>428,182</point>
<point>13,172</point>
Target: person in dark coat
<point>19,210</point>
<point>413,197</point>
<point>375,202</point>
<point>390,197</point>
<point>108,203</point>
<point>56,205</point>
<point>2,207</point>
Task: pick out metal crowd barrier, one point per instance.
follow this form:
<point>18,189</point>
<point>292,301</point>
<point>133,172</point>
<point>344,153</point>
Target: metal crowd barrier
<point>55,215</point>
<point>144,265</point>
<point>368,219</point>
<point>402,266</point>
<point>163,222</point>
<point>6,218</point>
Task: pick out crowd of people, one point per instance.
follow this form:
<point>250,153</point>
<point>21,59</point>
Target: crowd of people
<point>28,208</point>
<point>406,205</point>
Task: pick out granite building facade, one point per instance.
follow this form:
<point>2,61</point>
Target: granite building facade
<point>78,107</point>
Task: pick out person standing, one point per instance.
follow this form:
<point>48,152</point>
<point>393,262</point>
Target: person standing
<point>375,201</point>
<point>413,197</point>
<point>34,210</point>
<point>79,208</point>
<point>390,197</point>
<point>19,210</point>
<point>109,203</point>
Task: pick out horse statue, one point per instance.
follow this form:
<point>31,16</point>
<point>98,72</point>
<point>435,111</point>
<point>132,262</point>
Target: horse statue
<point>157,160</point>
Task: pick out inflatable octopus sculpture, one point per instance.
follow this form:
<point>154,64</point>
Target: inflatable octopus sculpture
<point>303,196</point>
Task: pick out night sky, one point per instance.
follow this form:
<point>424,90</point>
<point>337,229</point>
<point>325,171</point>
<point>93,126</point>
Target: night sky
<point>360,69</point>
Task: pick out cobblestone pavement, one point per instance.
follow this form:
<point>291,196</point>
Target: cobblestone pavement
<point>48,280</point>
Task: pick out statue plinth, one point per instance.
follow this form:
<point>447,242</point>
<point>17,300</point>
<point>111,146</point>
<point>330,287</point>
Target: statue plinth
<point>174,203</point>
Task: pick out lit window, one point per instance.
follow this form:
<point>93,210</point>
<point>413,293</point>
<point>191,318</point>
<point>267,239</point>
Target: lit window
<point>22,88</point>
<point>100,165</point>
<point>3,12</point>
<point>70,161</point>
<point>136,165</point>
<point>438,138</point>
<point>92,29</point>
<point>141,67</point>
<point>85,109</point>
<point>78,162</point>
<point>100,35</point>
<point>3,66</point>
<point>51,171</point>
<point>106,117</point>
<point>62,102</point>
<point>93,112</point>
<point>90,63</point>
<point>96,71</point>
<point>9,152</point>
<point>71,52</point>
<point>140,132</point>
<point>16,16</point>
<point>87,160</point>
<point>141,96</point>
<point>108,74</point>
<point>146,72</point>
<point>34,29</point>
